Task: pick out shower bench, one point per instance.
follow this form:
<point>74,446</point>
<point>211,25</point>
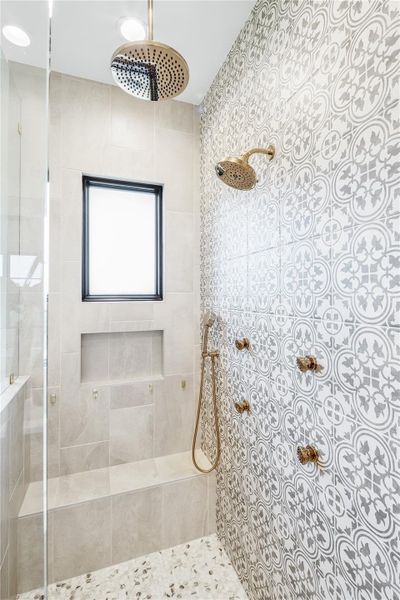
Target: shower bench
<point>106,516</point>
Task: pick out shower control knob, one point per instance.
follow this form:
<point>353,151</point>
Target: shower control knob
<point>242,344</point>
<point>307,454</point>
<point>242,407</point>
<point>308,363</point>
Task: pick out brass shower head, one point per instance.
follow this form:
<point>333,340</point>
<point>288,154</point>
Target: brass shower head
<point>150,70</point>
<point>236,172</point>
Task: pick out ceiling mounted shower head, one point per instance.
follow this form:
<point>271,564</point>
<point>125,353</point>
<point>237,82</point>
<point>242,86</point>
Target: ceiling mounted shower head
<point>236,172</point>
<point>149,70</point>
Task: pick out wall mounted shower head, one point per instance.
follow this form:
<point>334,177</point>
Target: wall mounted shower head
<point>236,172</point>
<point>149,70</point>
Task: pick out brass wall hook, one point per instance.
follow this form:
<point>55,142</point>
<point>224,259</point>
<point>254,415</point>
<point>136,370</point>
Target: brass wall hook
<point>242,344</point>
<point>242,407</point>
<point>308,363</point>
<point>307,454</point>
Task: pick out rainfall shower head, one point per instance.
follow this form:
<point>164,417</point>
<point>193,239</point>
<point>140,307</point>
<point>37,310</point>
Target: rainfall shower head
<point>236,172</point>
<point>149,70</point>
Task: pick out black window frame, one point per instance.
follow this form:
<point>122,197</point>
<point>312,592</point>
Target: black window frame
<point>87,182</point>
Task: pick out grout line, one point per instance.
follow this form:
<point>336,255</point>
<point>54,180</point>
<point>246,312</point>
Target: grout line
<point>84,444</point>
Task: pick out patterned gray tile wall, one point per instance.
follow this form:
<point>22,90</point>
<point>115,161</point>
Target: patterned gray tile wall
<point>308,262</point>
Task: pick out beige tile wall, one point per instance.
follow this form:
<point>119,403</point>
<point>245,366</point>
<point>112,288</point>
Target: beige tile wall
<point>99,130</point>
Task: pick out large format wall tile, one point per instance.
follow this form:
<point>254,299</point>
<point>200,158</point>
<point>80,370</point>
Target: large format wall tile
<point>179,251</point>
<point>85,123</point>
<point>90,549</point>
<point>174,415</point>
<point>136,524</point>
<point>308,263</point>
<point>175,116</point>
<point>132,123</point>
<point>131,355</point>
<point>75,459</point>
<point>174,167</point>
<point>4,578</point>
<point>4,474</point>
<point>30,574</point>
<point>126,395</point>
<point>131,434</point>
<point>186,507</point>
<point>84,417</point>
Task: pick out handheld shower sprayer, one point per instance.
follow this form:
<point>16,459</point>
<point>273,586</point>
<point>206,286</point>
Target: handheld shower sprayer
<point>208,323</point>
<point>209,320</point>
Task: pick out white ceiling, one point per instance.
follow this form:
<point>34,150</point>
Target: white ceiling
<point>85,33</point>
<point>32,16</point>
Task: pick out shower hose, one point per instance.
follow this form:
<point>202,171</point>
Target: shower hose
<point>213,356</point>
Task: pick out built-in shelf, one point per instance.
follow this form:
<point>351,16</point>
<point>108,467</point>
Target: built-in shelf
<point>121,356</point>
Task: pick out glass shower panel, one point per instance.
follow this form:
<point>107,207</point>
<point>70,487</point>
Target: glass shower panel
<point>9,231</point>
<point>23,296</point>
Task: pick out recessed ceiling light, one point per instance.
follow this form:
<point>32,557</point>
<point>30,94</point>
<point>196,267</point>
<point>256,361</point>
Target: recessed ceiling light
<point>16,35</point>
<point>132,30</point>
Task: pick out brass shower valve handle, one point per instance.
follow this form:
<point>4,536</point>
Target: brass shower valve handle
<point>242,344</point>
<point>242,407</point>
<point>307,454</point>
<point>308,363</point>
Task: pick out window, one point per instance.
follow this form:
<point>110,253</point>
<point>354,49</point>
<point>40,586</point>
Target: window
<point>122,240</point>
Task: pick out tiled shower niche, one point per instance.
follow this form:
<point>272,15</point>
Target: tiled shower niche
<point>121,356</point>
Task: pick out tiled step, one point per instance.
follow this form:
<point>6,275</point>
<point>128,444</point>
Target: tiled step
<point>102,517</point>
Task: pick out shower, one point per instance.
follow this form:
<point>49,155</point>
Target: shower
<point>149,70</point>
<point>236,172</point>
<point>213,355</point>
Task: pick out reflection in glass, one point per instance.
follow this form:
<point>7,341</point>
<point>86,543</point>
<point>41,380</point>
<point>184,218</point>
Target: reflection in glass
<point>23,214</point>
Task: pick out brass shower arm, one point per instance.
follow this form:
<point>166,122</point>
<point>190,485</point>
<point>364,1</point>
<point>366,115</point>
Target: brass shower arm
<point>270,151</point>
<point>150,20</point>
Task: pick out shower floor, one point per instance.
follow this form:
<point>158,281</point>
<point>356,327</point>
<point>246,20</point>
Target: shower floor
<point>198,569</point>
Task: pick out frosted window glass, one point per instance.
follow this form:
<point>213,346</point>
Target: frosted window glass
<point>122,242</point>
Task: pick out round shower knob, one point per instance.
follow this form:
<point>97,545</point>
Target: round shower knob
<point>242,407</point>
<point>308,363</point>
<point>242,344</point>
<point>307,454</point>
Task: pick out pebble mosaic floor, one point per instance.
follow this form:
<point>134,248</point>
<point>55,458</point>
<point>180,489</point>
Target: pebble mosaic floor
<point>197,570</point>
